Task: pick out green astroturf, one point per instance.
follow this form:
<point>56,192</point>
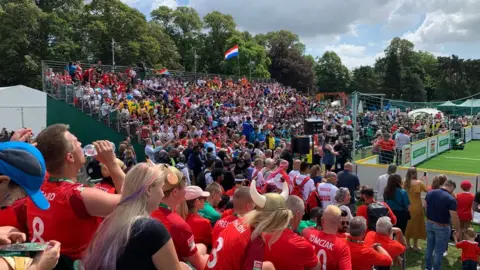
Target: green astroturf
<point>467,160</point>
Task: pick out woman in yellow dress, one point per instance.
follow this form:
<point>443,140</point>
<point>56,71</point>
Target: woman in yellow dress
<point>416,225</point>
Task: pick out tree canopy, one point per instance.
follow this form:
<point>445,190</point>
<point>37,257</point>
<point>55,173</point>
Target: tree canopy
<point>71,30</point>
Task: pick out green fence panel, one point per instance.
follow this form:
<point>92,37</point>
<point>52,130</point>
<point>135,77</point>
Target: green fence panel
<point>85,128</point>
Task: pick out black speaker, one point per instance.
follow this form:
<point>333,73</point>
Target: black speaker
<point>312,126</point>
<point>301,145</point>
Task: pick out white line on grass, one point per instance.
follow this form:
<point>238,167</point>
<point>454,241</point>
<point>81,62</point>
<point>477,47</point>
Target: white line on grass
<point>462,158</point>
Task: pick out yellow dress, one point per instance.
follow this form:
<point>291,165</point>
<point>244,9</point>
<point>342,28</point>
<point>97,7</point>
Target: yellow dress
<point>416,224</point>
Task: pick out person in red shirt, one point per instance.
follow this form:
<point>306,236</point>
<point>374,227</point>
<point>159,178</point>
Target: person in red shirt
<point>181,232</point>
<point>201,227</point>
<point>470,250</point>
<point>99,174</point>
<point>73,207</point>
<point>464,206</point>
<point>367,195</point>
<point>242,204</point>
<point>385,229</point>
<point>290,245</point>
<point>332,251</point>
<point>365,257</point>
<point>244,243</point>
<point>386,145</point>
<point>239,181</point>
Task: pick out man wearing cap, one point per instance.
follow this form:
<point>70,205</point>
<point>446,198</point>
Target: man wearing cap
<point>239,180</point>
<point>22,170</point>
<point>73,207</point>
<point>100,175</point>
<point>465,204</point>
<point>201,227</point>
<point>242,204</point>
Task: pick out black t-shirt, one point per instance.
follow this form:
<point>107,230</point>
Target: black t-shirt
<point>147,237</point>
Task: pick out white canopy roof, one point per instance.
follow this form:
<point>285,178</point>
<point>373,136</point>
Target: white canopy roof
<point>22,96</point>
<point>428,111</point>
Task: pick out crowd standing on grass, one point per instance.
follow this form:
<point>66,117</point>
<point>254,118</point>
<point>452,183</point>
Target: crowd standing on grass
<point>254,213</point>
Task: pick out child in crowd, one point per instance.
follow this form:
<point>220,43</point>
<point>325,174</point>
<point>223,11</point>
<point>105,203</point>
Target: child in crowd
<point>470,250</point>
<point>464,206</point>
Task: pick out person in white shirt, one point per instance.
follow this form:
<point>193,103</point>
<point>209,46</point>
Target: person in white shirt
<point>309,185</point>
<point>296,169</point>
<point>401,140</point>
<point>382,181</point>
<point>327,190</point>
<point>149,151</point>
<point>257,174</point>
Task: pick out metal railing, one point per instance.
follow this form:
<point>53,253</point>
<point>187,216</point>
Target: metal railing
<point>60,67</point>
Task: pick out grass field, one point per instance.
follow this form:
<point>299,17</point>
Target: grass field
<point>466,160</point>
<point>416,260</point>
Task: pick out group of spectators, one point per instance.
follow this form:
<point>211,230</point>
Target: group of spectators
<point>160,215</point>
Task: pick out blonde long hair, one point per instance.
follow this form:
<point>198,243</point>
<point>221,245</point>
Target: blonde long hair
<point>268,222</point>
<point>113,234</point>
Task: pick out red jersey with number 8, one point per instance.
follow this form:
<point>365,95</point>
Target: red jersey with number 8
<point>229,250</point>
<point>66,221</point>
<point>332,251</point>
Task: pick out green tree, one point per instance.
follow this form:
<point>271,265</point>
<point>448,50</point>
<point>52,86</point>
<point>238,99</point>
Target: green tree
<point>332,75</point>
<point>220,28</point>
<point>20,24</point>
<point>289,66</point>
<point>365,80</point>
<point>392,81</point>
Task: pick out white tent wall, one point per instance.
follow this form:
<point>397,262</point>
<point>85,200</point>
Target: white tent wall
<point>22,106</point>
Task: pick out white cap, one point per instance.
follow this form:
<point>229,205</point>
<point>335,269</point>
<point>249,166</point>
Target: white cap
<point>193,192</point>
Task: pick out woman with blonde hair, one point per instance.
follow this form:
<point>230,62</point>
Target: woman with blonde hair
<point>416,225</point>
<point>182,235</point>
<point>128,238</point>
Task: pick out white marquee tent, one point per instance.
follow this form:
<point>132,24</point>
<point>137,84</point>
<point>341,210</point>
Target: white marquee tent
<point>22,106</point>
<point>424,111</point>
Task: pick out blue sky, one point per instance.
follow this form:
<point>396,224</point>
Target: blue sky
<point>357,30</point>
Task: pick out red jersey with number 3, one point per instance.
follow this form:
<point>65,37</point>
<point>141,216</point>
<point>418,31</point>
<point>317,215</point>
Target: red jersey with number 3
<point>332,251</point>
<point>229,250</point>
<point>220,225</point>
<point>66,221</point>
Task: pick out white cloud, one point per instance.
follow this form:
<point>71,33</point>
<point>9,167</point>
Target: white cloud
<point>354,56</point>
<point>307,18</point>
<point>156,3</point>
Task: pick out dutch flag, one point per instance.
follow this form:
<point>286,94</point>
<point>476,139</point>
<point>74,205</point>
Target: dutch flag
<point>231,52</point>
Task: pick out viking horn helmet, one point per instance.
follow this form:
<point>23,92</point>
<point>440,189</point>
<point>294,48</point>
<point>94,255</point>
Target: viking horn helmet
<point>269,201</point>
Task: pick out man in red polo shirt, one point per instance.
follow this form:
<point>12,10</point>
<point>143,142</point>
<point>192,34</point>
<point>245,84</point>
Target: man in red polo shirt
<point>332,251</point>
<point>242,204</point>
<point>73,207</point>
<point>395,248</point>
<point>386,145</point>
<point>365,257</point>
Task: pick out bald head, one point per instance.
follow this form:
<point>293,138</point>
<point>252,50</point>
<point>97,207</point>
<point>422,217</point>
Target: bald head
<point>348,166</point>
<point>331,218</point>
<point>295,204</point>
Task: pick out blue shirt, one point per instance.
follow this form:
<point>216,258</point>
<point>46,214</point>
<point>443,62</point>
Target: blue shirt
<point>439,205</point>
<point>401,201</point>
<point>348,180</point>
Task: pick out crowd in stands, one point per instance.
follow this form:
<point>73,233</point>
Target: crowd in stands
<point>257,210</point>
<point>221,187</point>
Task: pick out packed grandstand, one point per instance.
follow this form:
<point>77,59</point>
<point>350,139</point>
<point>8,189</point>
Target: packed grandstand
<point>224,185</point>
